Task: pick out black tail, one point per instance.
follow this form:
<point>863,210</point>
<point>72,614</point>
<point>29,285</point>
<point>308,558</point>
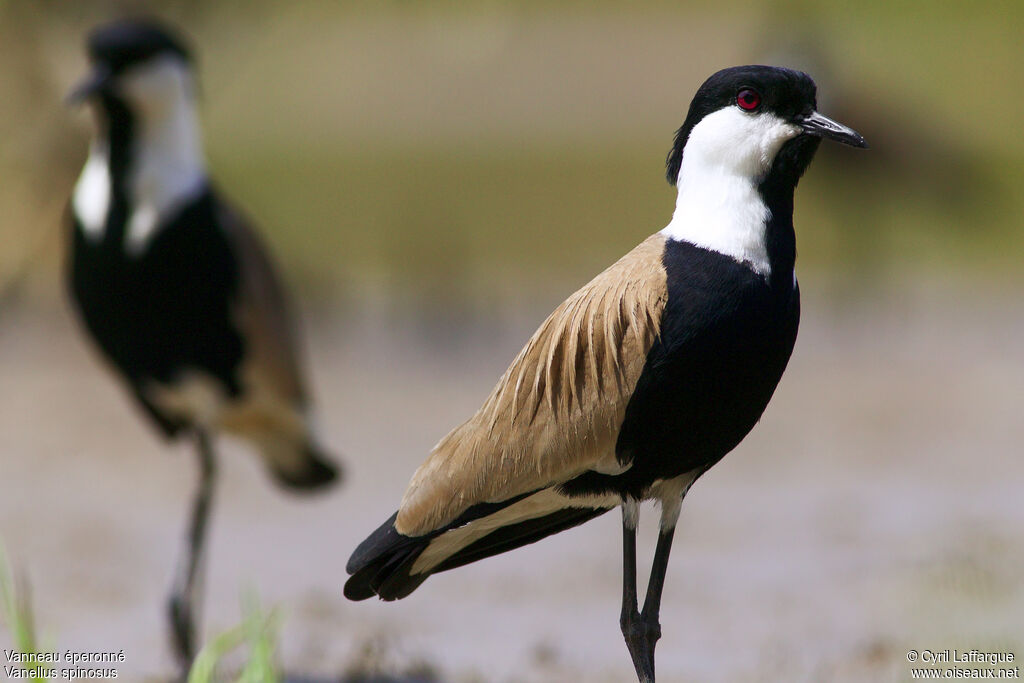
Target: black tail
<point>382,564</point>
<point>315,471</point>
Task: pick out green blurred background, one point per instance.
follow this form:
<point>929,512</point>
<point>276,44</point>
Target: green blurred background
<point>434,178</point>
<point>461,151</point>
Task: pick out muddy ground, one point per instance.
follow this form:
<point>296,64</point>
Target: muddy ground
<point>876,508</point>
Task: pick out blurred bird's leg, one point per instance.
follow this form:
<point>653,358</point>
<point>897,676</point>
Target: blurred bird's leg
<point>183,595</point>
<point>643,629</point>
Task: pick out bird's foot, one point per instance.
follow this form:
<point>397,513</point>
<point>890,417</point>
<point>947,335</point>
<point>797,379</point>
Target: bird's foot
<point>182,633</point>
<point>641,633</point>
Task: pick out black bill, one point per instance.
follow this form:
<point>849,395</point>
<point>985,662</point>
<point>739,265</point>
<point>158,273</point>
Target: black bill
<point>96,81</point>
<point>822,126</point>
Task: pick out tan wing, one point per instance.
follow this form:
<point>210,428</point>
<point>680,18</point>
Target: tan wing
<point>557,410</point>
<point>263,314</point>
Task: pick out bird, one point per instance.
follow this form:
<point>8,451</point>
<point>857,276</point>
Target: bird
<point>176,288</point>
<point>643,379</point>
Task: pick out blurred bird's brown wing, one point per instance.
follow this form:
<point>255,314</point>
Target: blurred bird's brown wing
<point>263,313</point>
<point>557,410</point>
<point>272,411</point>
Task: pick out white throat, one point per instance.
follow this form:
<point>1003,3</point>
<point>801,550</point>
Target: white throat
<point>718,206</point>
<point>167,171</point>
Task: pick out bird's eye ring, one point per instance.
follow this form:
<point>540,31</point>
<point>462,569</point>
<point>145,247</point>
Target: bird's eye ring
<point>748,99</point>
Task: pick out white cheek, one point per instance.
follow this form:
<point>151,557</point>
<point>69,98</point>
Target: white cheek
<point>734,141</point>
<point>719,207</point>
<point>774,133</point>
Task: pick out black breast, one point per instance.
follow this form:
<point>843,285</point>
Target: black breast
<point>726,336</point>
<point>166,310</point>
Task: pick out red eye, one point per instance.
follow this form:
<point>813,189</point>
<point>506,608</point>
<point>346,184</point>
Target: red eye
<point>748,99</point>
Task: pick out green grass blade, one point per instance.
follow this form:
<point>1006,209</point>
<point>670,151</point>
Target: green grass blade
<point>16,610</point>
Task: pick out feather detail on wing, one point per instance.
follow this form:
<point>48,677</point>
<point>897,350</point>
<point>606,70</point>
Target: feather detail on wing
<point>557,410</point>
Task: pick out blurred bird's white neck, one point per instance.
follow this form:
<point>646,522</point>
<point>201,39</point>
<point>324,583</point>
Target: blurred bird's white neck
<point>166,171</point>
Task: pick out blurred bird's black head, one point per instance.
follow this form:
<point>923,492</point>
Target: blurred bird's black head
<point>126,42</point>
<point>750,117</point>
<point>122,46</point>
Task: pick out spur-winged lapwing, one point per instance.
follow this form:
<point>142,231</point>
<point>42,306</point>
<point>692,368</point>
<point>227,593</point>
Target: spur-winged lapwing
<point>175,287</point>
<point>644,378</point>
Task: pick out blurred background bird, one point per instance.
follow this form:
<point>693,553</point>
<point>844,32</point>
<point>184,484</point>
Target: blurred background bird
<point>176,289</point>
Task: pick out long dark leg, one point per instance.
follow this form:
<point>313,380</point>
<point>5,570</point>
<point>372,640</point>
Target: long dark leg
<point>183,602</point>
<point>643,629</point>
<point>652,603</point>
<point>630,619</point>
<point>630,613</point>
